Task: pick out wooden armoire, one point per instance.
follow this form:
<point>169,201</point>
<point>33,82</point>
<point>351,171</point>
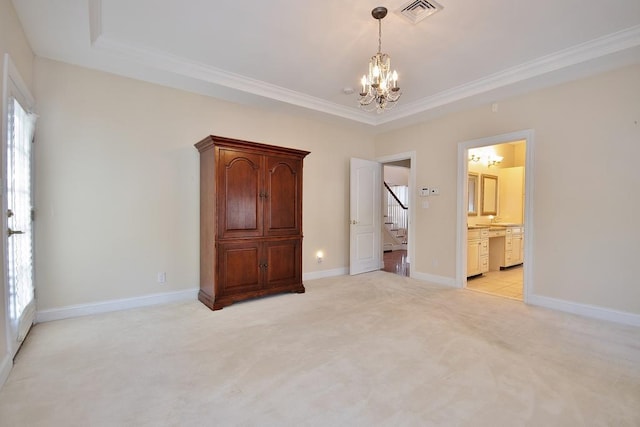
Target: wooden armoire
<point>250,220</point>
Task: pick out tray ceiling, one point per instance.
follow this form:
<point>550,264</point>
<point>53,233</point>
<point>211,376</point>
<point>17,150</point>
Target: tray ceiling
<point>302,55</point>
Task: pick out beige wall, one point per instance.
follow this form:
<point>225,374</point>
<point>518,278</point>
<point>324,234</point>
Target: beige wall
<point>117,182</point>
<point>13,42</point>
<point>587,147</point>
<point>396,175</point>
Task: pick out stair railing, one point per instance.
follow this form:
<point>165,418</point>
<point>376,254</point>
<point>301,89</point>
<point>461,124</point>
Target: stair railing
<point>397,212</point>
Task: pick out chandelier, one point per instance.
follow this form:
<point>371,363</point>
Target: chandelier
<point>379,90</point>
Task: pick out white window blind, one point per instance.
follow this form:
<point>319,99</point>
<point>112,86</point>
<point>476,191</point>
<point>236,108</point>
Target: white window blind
<point>21,127</point>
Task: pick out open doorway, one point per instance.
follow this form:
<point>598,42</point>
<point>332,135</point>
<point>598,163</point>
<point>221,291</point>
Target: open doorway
<point>397,210</point>
<point>395,216</point>
<point>494,218</point>
<point>495,222</point>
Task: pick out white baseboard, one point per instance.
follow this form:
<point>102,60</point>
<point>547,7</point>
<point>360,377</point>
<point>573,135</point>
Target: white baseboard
<point>114,305</point>
<point>5,369</point>
<point>325,273</point>
<point>438,280</point>
<point>585,310</point>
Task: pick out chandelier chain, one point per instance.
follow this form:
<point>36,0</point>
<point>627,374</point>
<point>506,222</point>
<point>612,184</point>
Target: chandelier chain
<point>380,35</point>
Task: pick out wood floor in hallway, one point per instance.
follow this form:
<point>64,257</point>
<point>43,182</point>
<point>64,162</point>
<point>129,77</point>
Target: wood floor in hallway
<point>396,262</point>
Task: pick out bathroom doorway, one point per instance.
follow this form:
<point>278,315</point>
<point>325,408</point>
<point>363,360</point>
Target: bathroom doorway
<point>493,218</point>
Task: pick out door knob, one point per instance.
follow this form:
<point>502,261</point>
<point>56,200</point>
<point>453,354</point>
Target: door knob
<point>11,232</point>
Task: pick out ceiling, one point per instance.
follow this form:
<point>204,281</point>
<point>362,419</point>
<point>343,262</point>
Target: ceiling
<point>300,55</point>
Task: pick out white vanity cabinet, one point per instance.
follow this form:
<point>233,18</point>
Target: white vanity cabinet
<point>477,251</point>
<point>517,245</point>
<point>506,247</point>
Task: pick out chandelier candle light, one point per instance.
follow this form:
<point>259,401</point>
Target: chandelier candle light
<point>379,90</point>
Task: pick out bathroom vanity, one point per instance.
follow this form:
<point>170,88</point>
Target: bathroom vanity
<point>477,250</point>
<point>506,246</point>
<point>494,247</point>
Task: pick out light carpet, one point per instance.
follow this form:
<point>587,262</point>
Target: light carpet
<point>370,350</point>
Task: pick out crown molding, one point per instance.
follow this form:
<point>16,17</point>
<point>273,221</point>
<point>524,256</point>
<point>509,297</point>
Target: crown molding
<point>611,43</point>
<point>206,73</point>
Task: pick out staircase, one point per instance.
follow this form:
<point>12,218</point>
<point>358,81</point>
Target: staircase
<point>395,217</point>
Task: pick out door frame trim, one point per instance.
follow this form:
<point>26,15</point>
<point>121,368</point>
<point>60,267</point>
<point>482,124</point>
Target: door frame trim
<point>461,247</point>
<point>407,155</point>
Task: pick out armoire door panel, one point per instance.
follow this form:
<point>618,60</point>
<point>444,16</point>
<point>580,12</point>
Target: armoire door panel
<point>240,267</point>
<point>284,262</point>
<point>284,190</point>
<point>239,195</point>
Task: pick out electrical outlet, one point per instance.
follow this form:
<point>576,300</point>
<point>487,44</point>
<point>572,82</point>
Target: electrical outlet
<point>162,277</point>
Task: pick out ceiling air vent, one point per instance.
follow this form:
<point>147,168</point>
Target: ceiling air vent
<point>416,10</point>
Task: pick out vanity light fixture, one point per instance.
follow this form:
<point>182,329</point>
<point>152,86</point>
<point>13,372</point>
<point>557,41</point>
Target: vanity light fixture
<point>489,159</point>
<point>493,160</point>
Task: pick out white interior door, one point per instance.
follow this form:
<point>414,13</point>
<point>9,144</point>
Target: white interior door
<point>365,223</point>
<point>20,126</point>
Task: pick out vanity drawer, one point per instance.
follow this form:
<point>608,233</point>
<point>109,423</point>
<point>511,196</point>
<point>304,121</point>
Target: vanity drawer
<point>496,233</point>
<point>484,247</point>
<point>484,264</point>
<point>473,234</point>
<point>507,258</point>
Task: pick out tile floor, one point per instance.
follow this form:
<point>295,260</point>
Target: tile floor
<point>505,283</point>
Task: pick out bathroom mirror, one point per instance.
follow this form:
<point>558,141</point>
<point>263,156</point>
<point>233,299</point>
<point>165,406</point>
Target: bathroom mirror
<point>472,189</point>
<point>489,204</point>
